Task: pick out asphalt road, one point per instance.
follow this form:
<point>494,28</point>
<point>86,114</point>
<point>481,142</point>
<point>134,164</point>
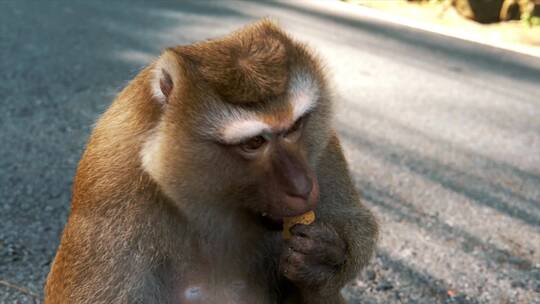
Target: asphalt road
<point>443,137</point>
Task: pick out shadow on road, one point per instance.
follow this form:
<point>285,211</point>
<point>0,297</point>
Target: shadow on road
<point>400,210</point>
<point>476,187</point>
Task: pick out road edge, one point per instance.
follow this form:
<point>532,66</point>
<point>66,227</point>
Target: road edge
<point>383,16</point>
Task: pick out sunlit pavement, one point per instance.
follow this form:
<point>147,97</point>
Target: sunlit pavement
<point>443,136</point>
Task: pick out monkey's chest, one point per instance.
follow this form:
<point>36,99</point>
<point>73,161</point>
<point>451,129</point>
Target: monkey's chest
<point>237,267</point>
<point>228,281</point>
<point>238,291</point>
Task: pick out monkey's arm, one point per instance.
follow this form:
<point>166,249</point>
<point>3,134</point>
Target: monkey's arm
<point>341,208</point>
<point>321,258</point>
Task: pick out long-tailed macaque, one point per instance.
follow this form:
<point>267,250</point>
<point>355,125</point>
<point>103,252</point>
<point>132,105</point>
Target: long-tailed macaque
<point>185,181</point>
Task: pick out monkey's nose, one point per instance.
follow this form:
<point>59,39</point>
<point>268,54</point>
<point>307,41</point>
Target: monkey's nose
<point>300,186</point>
<point>292,174</point>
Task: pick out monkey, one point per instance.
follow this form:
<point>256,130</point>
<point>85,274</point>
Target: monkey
<point>180,194</point>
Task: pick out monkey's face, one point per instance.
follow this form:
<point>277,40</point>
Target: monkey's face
<point>244,121</point>
<point>273,161</point>
<point>261,157</point>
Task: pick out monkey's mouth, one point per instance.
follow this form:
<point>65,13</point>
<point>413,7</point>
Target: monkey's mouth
<point>270,222</point>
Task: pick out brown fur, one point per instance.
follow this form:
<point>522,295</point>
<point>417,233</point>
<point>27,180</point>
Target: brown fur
<point>143,235</point>
<point>246,67</point>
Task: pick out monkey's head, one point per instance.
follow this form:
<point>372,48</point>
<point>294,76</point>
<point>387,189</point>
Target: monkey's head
<point>243,122</point>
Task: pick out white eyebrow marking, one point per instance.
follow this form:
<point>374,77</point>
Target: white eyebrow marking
<point>304,93</point>
<point>238,130</point>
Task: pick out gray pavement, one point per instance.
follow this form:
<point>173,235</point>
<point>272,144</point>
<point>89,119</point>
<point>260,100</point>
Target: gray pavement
<point>443,137</point>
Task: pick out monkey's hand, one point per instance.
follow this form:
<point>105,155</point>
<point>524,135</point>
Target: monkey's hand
<point>313,256</point>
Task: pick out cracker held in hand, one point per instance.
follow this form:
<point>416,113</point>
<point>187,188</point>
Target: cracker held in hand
<point>304,219</point>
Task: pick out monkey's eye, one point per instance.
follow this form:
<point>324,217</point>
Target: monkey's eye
<point>253,144</point>
<point>294,132</point>
<point>297,125</point>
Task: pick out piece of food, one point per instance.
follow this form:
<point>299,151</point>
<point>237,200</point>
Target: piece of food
<point>304,219</point>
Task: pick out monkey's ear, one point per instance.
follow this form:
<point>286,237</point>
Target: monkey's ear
<point>166,75</point>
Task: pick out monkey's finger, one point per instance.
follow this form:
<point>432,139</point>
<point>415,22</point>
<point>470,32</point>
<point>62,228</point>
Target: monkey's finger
<point>331,256</point>
<point>317,251</point>
<point>305,273</point>
<point>294,267</point>
<point>285,253</point>
<point>303,269</point>
<point>288,265</point>
<point>296,258</point>
<point>301,244</point>
<point>305,230</point>
<point>320,254</point>
<point>320,232</point>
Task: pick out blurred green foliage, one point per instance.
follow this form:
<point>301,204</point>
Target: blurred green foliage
<point>530,20</point>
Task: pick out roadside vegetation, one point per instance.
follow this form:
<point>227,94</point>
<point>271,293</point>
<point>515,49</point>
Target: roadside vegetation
<point>513,22</point>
